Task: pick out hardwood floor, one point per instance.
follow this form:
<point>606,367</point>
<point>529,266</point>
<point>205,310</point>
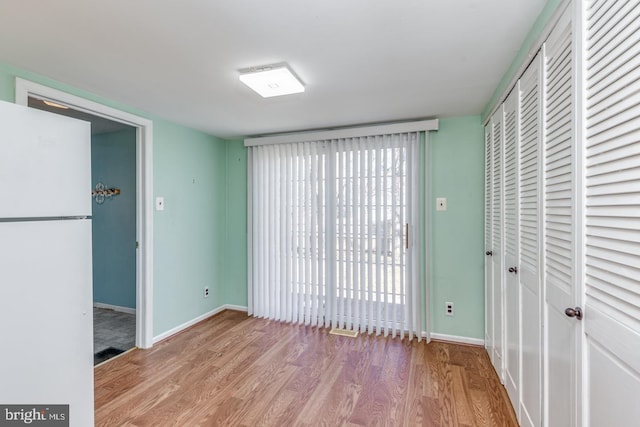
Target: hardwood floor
<point>240,371</point>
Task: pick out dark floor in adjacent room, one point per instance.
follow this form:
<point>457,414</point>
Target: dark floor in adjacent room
<point>114,332</point>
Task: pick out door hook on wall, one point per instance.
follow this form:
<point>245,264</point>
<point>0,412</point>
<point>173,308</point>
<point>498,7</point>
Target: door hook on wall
<point>101,192</point>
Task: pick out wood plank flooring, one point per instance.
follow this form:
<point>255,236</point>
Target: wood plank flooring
<point>240,371</point>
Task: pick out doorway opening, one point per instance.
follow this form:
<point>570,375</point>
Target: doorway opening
<point>116,124</point>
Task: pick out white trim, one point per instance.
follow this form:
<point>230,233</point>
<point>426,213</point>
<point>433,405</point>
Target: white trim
<point>187,324</point>
<point>533,51</point>
<point>205,316</point>
<point>249,230</point>
<point>144,189</point>
<point>457,339</point>
<point>233,307</point>
<point>351,132</point>
<point>118,308</point>
<point>427,241</point>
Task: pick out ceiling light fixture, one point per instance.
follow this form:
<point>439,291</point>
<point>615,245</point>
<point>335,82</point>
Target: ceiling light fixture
<point>53,104</point>
<point>272,80</point>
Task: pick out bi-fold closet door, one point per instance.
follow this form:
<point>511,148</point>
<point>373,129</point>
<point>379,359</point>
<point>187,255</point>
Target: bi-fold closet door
<point>532,222</point>
<point>612,213</point>
<point>568,355</point>
<point>511,286</point>
<point>488,239</point>
<point>529,405</point>
<point>561,225</point>
<point>512,244</point>
<point>496,251</point>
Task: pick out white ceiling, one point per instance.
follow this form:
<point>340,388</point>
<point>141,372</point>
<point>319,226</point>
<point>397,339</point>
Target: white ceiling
<point>362,61</point>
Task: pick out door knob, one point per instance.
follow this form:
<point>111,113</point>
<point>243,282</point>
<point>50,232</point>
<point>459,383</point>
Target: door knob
<point>490,253</point>
<point>513,270</point>
<point>574,312</point>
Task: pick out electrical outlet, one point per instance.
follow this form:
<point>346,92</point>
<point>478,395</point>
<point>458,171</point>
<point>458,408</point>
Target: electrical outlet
<point>206,292</point>
<point>441,204</point>
<point>448,308</point>
<point>159,203</point>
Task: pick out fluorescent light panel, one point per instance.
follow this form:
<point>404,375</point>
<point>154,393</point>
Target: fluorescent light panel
<point>272,81</point>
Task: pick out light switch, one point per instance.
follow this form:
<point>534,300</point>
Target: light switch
<point>159,203</point>
<point>441,204</point>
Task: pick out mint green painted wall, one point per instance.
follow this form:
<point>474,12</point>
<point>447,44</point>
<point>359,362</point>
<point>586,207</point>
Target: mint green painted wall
<point>533,34</point>
<point>113,162</point>
<point>189,236</point>
<point>456,171</point>
<point>456,153</point>
<point>7,84</point>
<point>189,172</point>
<point>200,237</point>
<point>235,289</point>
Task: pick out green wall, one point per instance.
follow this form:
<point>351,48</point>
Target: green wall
<point>235,289</point>
<point>456,167</point>
<point>200,237</point>
<point>522,55</point>
<point>189,235</point>
<point>456,171</point>
<point>113,162</point>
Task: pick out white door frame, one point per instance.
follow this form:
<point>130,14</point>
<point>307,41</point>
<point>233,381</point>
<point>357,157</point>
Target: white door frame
<point>144,192</point>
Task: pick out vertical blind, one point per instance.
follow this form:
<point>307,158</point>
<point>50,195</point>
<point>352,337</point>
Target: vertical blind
<point>335,235</point>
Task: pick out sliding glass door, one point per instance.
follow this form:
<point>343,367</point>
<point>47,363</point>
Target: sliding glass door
<point>335,233</point>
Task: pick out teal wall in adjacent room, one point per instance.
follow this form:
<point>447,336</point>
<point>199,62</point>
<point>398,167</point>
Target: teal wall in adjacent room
<point>456,171</point>
<point>113,163</point>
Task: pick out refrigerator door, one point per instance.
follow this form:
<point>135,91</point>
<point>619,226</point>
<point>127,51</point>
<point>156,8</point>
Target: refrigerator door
<point>45,164</point>
<point>46,316</point>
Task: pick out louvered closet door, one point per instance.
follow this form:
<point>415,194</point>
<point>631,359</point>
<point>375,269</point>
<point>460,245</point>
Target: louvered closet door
<point>612,199</point>
<point>529,239</point>
<point>488,264</point>
<point>511,291</point>
<point>497,213</point>
<point>560,227</point>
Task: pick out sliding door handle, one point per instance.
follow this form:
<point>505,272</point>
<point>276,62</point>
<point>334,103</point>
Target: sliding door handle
<point>490,253</point>
<point>406,240</point>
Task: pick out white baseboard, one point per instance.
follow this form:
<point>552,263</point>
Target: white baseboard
<point>235,307</point>
<point>115,308</point>
<point>200,318</point>
<point>457,339</point>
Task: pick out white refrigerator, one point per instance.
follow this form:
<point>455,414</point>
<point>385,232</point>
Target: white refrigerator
<point>46,318</point>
